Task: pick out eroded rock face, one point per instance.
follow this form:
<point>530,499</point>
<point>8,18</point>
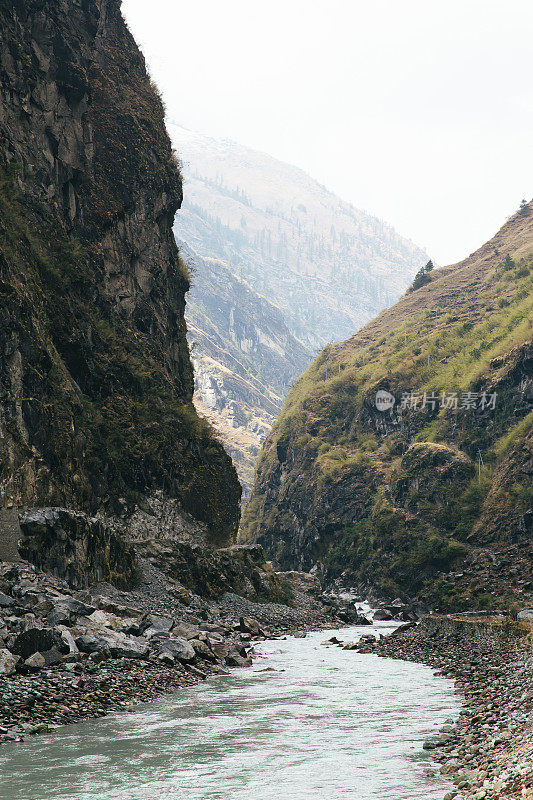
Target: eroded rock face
<point>240,569</point>
<point>97,381</point>
<point>428,473</point>
<point>78,549</point>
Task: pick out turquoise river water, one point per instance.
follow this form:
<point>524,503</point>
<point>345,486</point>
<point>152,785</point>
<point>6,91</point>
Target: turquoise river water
<point>306,722</point>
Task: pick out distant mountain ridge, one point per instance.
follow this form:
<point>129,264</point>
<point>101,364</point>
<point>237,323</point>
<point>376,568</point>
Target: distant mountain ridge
<point>327,265</point>
<point>244,357</point>
<point>280,266</point>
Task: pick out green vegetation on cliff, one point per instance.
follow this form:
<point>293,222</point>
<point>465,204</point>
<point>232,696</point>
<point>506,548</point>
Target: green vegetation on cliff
<point>431,497</point>
<point>96,409</point>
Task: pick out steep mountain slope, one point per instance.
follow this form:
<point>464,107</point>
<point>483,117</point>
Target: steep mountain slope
<point>245,359</point>
<point>96,403</point>
<point>329,266</point>
<point>419,497</point>
<point>282,267</point>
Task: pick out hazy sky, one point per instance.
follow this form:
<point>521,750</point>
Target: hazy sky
<point>420,112</point>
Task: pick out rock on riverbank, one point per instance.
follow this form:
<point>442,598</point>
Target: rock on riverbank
<point>488,752</point>
<point>69,655</point>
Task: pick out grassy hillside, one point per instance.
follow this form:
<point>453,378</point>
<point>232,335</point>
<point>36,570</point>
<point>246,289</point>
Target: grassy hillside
<point>423,500</point>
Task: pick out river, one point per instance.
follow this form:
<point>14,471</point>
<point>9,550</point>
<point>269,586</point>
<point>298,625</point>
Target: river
<point>306,721</point>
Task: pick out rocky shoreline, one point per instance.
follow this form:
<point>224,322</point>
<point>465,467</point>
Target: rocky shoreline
<point>67,656</point>
<point>488,752</point>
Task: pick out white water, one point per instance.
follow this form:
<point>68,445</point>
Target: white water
<point>305,722</point>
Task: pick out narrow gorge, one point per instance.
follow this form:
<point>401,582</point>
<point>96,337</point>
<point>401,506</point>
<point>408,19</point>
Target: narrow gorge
<point>349,615</point>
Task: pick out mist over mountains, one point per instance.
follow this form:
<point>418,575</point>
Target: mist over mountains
<point>260,227</point>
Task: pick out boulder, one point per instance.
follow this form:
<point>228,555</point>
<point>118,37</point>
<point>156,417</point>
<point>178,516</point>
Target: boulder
<point>181,649</point>
<point>68,639</point>
<point>105,620</point>
<point>8,663</point>
<point>52,656</point>
<point>166,658</point>
<point>302,582</point>
<point>35,661</point>
<point>186,631</point>
<point>90,643</point>
<point>220,650</point>
<point>128,647</point>
<point>202,649</point>
<point>6,601</point>
<point>58,617</point>
<point>250,625</point>
<point>155,636</point>
<point>73,606</point>
<point>36,640</point>
<point>158,623</point>
<point>118,644</point>
<point>235,659</point>
<point>382,614</point>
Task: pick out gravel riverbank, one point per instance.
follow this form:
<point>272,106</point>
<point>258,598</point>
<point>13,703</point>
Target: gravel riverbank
<point>488,752</point>
<point>66,656</point>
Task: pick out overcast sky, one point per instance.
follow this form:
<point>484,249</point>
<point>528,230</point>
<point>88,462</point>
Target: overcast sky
<point>417,111</point>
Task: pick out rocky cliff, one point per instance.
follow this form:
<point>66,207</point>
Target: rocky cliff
<point>96,382</point>
<point>245,358</point>
<point>403,459</point>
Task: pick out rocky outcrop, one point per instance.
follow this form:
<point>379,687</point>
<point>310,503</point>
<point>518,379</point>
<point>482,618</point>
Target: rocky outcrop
<point>426,475</point>
<point>242,570</point>
<point>245,358</point>
<point>80,550</point>
<point>402,459</point>
<point>96,405</point>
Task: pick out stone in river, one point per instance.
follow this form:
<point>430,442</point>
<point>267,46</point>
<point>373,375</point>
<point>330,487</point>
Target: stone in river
<point>382,614</point>
<point>234,659</point>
